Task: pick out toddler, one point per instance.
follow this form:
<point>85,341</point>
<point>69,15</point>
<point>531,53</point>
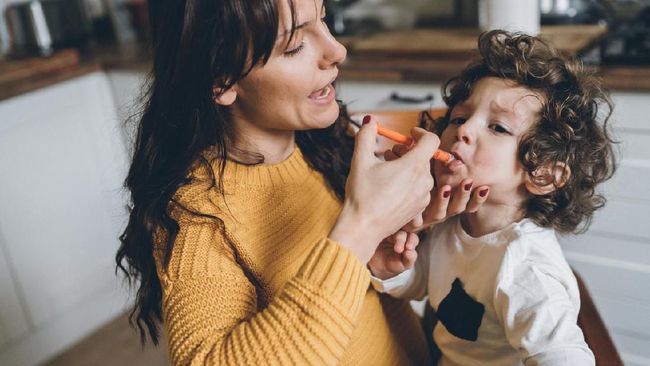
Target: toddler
<point>530,124</point>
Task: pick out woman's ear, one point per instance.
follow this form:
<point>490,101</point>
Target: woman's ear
<point>224,98</point>
<point>548,178</point>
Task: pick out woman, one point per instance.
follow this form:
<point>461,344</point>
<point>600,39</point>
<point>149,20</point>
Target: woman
<point>253,250</point>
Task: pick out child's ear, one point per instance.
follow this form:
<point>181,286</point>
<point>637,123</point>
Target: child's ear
<point>548,178</point>
<point>224,98</point>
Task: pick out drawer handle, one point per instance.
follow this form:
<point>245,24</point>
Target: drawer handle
<point>395,97</point>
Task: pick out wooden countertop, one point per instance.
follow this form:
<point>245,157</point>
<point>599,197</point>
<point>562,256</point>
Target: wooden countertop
<point>434,55</point>
<point>22,76</point>
<point>420,55</point>
<point>458,43</point>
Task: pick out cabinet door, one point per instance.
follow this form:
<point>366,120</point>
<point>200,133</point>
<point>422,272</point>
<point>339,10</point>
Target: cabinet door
<point>127,89</point>
<point>363,96</point>
<point>13,323</point>
<point>62,165</point>
<point>613,257</point>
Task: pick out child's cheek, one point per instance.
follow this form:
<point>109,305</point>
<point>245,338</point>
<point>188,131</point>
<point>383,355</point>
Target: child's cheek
<point>485,162</point>
<point>447,139</point>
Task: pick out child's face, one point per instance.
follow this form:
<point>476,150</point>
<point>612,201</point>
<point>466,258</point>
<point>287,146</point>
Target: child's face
<point>293,90</point>
<point>484,134</point>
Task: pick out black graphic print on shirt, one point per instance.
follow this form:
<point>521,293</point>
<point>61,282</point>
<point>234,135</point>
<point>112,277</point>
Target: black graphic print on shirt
<point>461,314</point>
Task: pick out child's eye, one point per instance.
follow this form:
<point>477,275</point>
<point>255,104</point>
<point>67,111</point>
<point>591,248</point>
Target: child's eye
<point>295,50</point>
<point>498,128</point>
<point>457,121</point>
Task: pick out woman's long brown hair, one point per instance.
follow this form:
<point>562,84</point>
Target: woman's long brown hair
<point>197,45</point>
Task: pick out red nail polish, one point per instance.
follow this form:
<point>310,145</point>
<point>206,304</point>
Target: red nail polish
<point>468,186</point>
<point>366,119</point>
<point>446,194</point>
<point>483,193</point>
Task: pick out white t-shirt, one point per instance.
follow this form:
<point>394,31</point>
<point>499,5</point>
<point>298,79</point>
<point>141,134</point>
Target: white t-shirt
<point>506,298</point>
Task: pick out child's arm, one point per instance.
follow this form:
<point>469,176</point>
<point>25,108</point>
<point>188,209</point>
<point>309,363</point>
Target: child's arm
<point>540,319</point>
<point>395,270</point>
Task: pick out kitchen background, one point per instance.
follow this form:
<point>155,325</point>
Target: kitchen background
<point>64,152</point>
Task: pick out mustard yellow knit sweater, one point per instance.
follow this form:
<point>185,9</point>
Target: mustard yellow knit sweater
<point>266,286</point>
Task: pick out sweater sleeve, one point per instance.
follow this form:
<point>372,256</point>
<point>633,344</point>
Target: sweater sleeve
<point>211,312</point>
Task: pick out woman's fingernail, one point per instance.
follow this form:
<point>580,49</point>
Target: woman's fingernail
<point>446,193</point>
<point>366,119</point>
<point>483,192</point>
<point>468,186</point>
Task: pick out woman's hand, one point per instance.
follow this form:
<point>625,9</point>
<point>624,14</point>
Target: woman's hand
<point>394,255</point>
<point>382,196</point>
<point>446,201</point>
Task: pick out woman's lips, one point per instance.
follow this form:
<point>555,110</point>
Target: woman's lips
<point>324,95</point>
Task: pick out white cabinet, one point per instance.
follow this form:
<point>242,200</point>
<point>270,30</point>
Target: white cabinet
<point>370,96</point>
<point>614,255</point>
<point>13,320</point>
<point>62,164</point>
<point>127,90</point>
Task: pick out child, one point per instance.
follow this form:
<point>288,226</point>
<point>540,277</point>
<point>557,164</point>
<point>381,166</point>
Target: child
<point>524,121</point>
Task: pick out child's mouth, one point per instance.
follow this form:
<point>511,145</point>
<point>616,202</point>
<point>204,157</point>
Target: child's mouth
<point>454,165</point>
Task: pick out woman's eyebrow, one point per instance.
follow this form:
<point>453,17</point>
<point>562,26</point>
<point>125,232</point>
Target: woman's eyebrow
<point>299,26</point>
<point>282,36</point>
<point>302,25</point>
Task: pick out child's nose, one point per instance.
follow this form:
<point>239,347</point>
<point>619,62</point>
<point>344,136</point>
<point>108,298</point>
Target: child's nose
<point>465,133</point>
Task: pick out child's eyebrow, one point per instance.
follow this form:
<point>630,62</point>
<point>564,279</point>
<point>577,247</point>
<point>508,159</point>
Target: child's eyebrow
<point>500,108</point>
<point>461,105</point>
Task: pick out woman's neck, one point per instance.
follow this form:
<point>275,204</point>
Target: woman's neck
<point>276,150</point>
<point>275,145</point>
<point>491,217</point>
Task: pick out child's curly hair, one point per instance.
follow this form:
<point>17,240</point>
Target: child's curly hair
<point>572,127</point>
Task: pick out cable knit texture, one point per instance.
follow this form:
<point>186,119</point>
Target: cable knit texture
<point>263,284</point>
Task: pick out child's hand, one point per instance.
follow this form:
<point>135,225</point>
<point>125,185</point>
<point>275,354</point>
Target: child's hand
<point>446,201</point>
<point>394,255</point>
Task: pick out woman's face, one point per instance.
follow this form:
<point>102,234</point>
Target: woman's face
<point>293,90</point>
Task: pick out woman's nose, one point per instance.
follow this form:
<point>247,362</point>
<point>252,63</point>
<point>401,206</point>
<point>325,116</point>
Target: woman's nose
<point>334,52</point>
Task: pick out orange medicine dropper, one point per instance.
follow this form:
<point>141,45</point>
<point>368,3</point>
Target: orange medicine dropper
<point>439,155</point>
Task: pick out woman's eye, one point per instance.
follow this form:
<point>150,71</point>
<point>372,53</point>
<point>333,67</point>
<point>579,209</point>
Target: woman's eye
<point>457,121</point>
<point>498,129</point>
<point>295,50</point>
